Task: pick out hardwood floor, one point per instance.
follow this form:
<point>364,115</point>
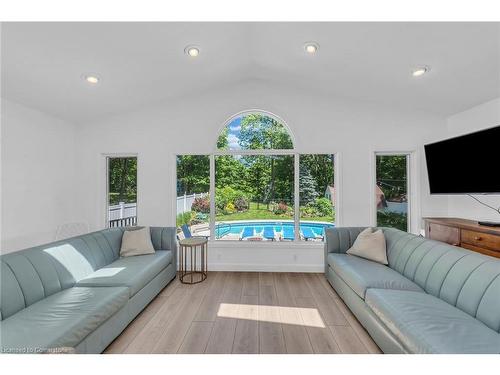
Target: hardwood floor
<point>246,312</point>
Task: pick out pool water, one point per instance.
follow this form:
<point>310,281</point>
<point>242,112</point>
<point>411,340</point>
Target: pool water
<point>281,229</point>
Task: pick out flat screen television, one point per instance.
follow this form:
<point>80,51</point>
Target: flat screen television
<point>465,165</point>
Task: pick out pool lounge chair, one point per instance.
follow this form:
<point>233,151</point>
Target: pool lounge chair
<point>269,233</point>
<point>247,232</point>
<point>308,234</point>
<point>187,232</point>
<point>288,233</point>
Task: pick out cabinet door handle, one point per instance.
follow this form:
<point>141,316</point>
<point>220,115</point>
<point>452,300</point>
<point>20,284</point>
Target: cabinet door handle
<point>477,238</point>
<point>455,244</point>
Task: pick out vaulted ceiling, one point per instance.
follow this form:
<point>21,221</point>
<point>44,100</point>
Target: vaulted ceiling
<point>144,63</point>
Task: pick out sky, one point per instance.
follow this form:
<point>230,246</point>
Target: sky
<point>234,133</point>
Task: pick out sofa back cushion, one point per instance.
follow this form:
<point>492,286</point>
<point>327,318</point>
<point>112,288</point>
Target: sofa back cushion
<point>465,279</point>
<point>32,274</point>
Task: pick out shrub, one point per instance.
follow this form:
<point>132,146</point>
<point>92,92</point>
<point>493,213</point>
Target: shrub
<point>223,197</point>
<point>241,204</point>
<point>280,209</point>
<point>230,209</point>
<point>201,204</point>
<point>235,199</point>
<point>184,218</point>
<point>323,207</point>
<point>392,220</point>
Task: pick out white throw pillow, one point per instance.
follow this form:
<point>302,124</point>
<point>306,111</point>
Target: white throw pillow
<point>370,245</point>
<point>136,242</point>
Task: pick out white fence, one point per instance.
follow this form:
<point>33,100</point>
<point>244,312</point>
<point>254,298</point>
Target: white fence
<point>184,202</point>
<point>122,211</point>
<point>125,210</point>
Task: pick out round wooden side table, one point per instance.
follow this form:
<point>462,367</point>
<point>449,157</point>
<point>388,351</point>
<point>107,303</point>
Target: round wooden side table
<point>193,260</point>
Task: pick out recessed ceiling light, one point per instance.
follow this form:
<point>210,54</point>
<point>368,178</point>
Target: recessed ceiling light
<point>311,47</point>
<point>91,78</point>
<point>192,51</point>
<point>420,71</point>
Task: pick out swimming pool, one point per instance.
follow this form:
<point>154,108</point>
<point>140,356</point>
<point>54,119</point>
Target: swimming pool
<point>270,230</point>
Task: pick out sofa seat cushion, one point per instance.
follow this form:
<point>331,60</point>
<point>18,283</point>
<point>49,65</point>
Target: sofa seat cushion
<point>361,274</point>
<point>133,272</point>
<point>62,320</point>
<point>426,324</point>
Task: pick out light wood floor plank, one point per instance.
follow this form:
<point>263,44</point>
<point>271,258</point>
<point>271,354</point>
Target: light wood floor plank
<point>177,327</point>
<point>222,337</point>
<point>266,278</point>
<point>296,338</point>
<point>326,305</point>
<point>235,312</point>
<point>246,337</point>
<point>169,289</point>
<point>251,284</point>
<point>298,285</point>
<point>210,305</point>
<point>320,336</point>
<point>146,340</point>
<point>196,339</point>
<point>347,339</point>
<point>271,340</point>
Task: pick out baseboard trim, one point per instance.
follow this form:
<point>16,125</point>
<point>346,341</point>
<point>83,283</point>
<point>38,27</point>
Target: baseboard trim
<point>311,268</point>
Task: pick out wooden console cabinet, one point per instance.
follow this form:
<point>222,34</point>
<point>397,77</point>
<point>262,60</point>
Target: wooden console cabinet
<point>464,233</point>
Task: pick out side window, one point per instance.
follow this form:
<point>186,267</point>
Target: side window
<point>121,191</point>
<point>391,190</point>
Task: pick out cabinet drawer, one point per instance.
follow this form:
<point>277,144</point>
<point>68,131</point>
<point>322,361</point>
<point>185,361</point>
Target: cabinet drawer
<point>481,250</point>
<point>444,233</point>
<point>484,240</point>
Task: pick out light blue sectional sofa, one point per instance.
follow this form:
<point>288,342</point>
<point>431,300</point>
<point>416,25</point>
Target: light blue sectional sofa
<point>78,293</point>
<point>431,298</point>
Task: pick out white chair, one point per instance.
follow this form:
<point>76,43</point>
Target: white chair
<point>71,230</point>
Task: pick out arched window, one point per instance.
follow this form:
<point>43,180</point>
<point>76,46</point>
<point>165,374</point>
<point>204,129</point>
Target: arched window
<point>262,189</point>
<point>254,131</point>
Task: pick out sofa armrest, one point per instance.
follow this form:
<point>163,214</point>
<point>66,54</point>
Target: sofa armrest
<point>165,238</point>
<point>339,240</point>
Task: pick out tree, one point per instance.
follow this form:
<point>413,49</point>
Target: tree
<point>321,167</point>
<point>392,175</point>
<point>307,186</point>
<point>229,171</point>
<point>258,177</point>
<point>193,174</point>
<point>259,131</point>
<point>122,180</point>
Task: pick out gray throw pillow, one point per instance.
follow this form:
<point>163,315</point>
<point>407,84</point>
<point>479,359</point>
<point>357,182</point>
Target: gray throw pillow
<point>370,245</point>
<point>136,242</point>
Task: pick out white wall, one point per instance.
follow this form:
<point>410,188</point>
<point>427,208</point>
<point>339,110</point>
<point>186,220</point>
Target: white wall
<point>480,117</point>
<point>38,176</point>
<point>320,124</point>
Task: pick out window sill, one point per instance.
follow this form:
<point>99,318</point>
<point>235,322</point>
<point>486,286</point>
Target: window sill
<point>265,244</point>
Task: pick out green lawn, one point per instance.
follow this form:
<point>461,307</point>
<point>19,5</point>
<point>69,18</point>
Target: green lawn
<point>263,214</point>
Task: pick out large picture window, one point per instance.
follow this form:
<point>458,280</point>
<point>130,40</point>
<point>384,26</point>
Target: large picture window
<point>255,186</point>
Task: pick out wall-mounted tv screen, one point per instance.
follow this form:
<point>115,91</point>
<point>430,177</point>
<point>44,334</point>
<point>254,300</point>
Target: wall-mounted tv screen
<point>466,164</point>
